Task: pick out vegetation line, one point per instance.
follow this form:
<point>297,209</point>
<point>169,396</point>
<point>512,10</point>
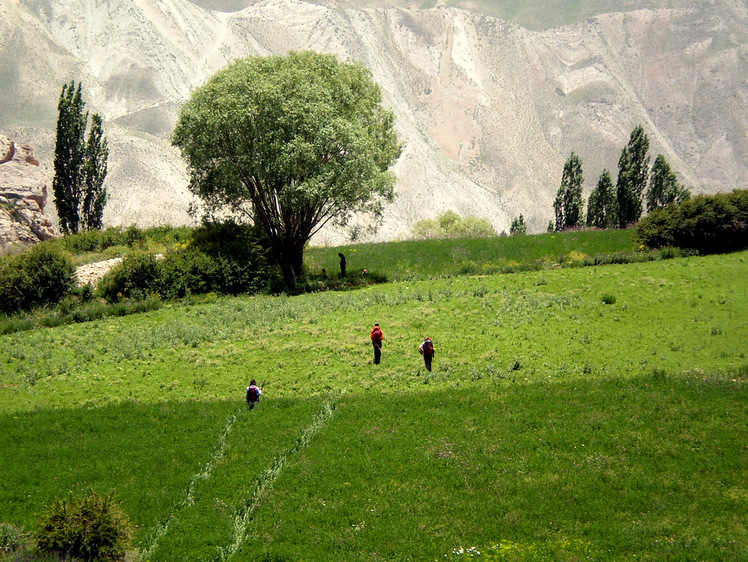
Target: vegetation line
<point>189,498</point>
<point>267,478</point>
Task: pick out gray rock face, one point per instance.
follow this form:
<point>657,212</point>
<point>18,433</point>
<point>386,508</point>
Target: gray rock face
<point>23,194</point>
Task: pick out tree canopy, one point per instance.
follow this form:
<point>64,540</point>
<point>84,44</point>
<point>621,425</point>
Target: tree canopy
<point>633,173</point>
<point>602,207</point>
<point>80,165</point>
<point>292,143</point>
<point>569,203</point>
<point>664,187</point>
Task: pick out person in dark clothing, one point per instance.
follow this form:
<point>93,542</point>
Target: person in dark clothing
<point>342,265</point>
<point>253,394</point>
<point>377,336</point>
<point>427,350</point>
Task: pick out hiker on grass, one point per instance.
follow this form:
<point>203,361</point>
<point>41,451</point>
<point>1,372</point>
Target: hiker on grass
<point>377,336</point>
<point>253,394</point>
<point>427,350</point>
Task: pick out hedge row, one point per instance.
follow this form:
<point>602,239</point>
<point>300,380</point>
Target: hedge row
<point>705,223</point>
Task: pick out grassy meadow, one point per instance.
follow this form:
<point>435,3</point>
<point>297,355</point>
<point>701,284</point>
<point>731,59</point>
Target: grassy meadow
<point>573,413</point>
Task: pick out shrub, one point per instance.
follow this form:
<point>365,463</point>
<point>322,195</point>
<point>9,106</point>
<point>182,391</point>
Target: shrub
<point>40,277</point>
<point>136,277</point>
<point>92,527</point>
<point>11,539</point>
<point>706,223</point>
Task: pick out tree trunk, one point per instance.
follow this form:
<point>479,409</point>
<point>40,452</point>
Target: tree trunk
<point>291,258</point>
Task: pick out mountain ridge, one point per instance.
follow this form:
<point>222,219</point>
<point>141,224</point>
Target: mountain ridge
<point>487,110</point>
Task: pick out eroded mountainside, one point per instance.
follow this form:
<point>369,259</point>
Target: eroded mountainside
<point>488,110</point>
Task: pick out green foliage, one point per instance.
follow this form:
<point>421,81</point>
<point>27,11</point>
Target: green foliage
<point>705,223</point>
<point>221,258</point>
<point>633,173</point>
<point>452,225</point>
<point>664,188</point>
<point>80,165</point>
<point>11,539</point>
<point>94,173</point>
<point>568,205</point>
<point>518,228</point>
<point>135,277</point>
<point>91,527</point>
<point>292,141</point>
<point>40,277</point>
<point>602,207</point>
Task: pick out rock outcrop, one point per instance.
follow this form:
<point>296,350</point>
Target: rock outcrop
<point>23,194</point>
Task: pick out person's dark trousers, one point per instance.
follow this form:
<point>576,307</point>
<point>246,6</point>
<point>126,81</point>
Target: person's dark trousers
<point>427,357</point>
<point>377,354</point>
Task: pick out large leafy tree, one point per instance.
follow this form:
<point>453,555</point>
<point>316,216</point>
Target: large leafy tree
<point>568,204</point>
<point>602,207</point>
<point>664,187</point>
<point>80,164</point>
<point>292,143</point>
<point>633,173</point>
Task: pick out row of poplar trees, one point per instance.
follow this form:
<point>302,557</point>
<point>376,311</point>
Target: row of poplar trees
<point>80,164</point>
<point>618,206</point>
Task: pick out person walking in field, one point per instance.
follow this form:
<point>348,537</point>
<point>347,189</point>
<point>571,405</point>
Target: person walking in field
<point>377,337</point>
<point>427,350</point>
<point>253,394</point>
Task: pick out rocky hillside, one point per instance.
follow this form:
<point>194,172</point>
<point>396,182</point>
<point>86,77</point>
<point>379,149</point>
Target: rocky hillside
<point>23,195</point>
<point>488,109</point>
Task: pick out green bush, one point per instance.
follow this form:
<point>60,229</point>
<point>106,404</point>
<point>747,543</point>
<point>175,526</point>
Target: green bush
<point>706,223</point>
<point>41,277</point>
<point>220,258</point>
<point>92,527</point>
<point>136,277</point>
<point>11,539</point>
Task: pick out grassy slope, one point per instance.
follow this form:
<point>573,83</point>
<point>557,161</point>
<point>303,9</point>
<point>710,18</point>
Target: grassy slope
<point>551,420</point>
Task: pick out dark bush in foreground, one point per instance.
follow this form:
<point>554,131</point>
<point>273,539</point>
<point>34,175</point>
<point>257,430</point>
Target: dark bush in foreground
<point>41,277</point>
<point>92,527</point>
<point>706,223</point>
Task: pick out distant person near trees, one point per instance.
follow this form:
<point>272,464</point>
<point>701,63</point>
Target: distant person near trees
<point>427,350</point>
<point>342,265</point>
<point>253,394</point>
<point>377,337</point>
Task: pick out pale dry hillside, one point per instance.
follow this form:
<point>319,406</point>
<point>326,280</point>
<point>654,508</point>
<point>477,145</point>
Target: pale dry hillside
<point>489,102</point>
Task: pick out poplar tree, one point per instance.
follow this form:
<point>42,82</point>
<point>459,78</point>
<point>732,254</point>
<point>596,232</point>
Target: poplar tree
<point>664,187</point>
<point>94,173</point>
<point>568,204</point>
<point>602,207</point>
<point>633,173</point>
<point>518,227</point>
<point>80,165</point>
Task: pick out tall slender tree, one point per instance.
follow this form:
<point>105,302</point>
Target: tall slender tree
<point>602,207</point>
<point>69,156</point>
<point>94,173</point>
<point>80,165</point>
<point>633,172</point>
<point>664,187</point>
<point>568,205</point>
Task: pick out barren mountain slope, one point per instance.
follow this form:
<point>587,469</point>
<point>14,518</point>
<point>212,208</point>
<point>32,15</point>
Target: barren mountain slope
<point>488,110</point>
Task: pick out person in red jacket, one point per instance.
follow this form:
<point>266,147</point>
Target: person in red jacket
<point>377,336</point>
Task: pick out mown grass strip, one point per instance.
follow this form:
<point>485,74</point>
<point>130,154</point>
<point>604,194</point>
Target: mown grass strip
<point>160,530</point>
<point>267,478</point>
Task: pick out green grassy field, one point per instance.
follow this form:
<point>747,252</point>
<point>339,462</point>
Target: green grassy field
<point>572,414</point>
